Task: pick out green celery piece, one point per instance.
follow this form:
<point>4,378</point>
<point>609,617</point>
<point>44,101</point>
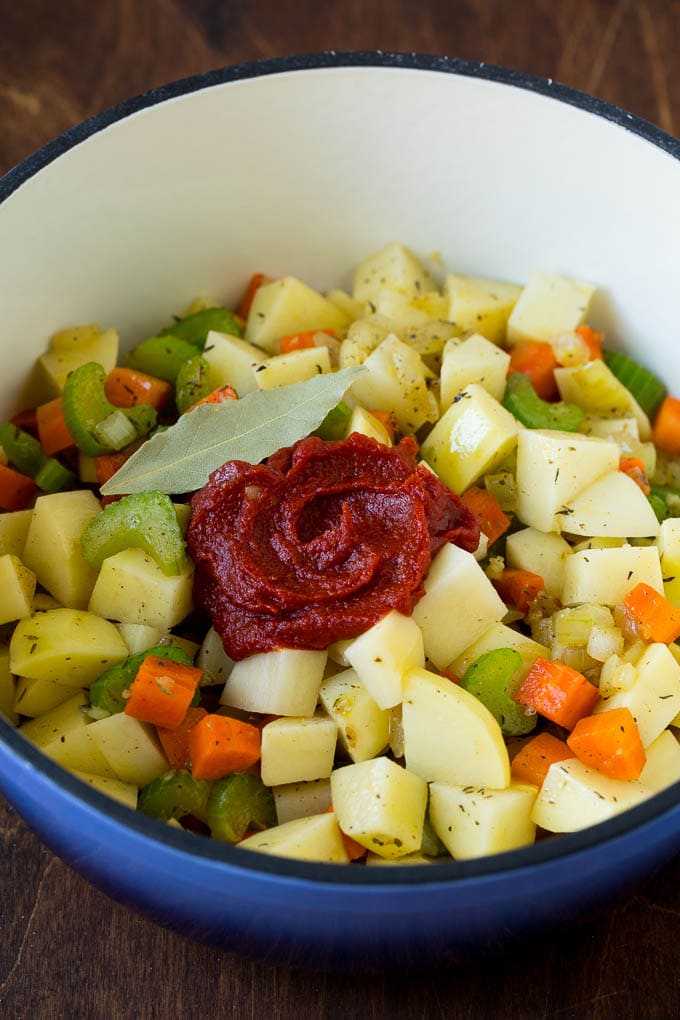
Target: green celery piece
<point>489,678</point>
<point>193,383</point>
<point>173,795</point>
<point>646,387</point>
<point>334,425</point>
<point>144,520</point>
<point>237,803</point>
<point>86,406</point>
<point>659,506</point>
<point>54,477</point>
<point>106,692</point>
<point>162,356</point>
<point>522,400</point>
<point>22,449</point>
<point>669,497</point>
<point>195,328</point>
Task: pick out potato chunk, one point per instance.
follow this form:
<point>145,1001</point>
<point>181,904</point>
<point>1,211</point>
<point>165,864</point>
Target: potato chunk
<point>477,822</point>
<point>52,547</point>
<point>131,588</point>
<point>69,646</point>
<point>316,838</point>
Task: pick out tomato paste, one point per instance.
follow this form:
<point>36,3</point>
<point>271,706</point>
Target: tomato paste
<point>319,542</point>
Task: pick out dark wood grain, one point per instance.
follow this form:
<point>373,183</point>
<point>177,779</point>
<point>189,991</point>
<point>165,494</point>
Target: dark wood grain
<point>66,951</point>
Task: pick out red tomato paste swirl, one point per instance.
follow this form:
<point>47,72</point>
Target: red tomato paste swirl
<point>319,542</point>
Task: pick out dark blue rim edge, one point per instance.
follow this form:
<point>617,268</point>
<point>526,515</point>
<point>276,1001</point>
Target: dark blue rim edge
<point>190,845</point>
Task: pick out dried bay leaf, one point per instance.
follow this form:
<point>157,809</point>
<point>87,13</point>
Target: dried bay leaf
<point>182,458</point>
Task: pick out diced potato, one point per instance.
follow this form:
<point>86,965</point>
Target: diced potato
<point>396,378</point>
<point>213,659</point>
<point>574,796</point>
<point>64,734</point>
<point>548,306</point>
<point>662,767</point>
<point>289,306</point>
<point>35,697</point>
<point>612,506</point>
<point>138,636</point>
<point>13,531</point>
<point>475,360</point>
<point>380,805</point>
<point>73,347</point>
<point>7,687</point>
<point>297,749</point>
<point>500,636</point>
<point>283,682</point>
<point>459,604</point>
<point>363,337</point>
<point>383,653</point>
<point>450,736</point>
<point>474,436</point>
<point>298,366</point>
<point>654,698</point>
<point>363,727</point>
<point>125,793</point>
<point>595,388</point>
<point>541,553</point>
<point>408,312</point>
<point>606,576</point>
<point>395,267</point>
<point>317,838</point>
<point>366,424</point>
<point>352,308</point>
<point>131,588</point>
<point>69,646</point>
<point>477,822</point>
<point>130,747</point>
<point>17,588</point>
<point>232,361</point>
<point>52,547</point>
<point>668,543</point>
<point>299,800</point>
<point>479,305</point>
<point>552,468</point>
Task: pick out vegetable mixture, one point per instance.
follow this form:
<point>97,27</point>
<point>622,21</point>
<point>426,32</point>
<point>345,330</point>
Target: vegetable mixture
<point>382,577</point>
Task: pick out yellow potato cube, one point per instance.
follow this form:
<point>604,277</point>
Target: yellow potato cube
<point>125,793</point>
<point>52,547</point>
<point>131,748</point>
<point>283,682</point>
<point>363,727</point>
<point>7,687</point>
<point>479,305</point>
<point>35,697</point>
<point>286,307</point>
<point>541,553</point>
<point>298,800</point>
<point>69,646</point>
<point>394,267</point>
<point>654,697</point>
<point>317,838</point>
<point>13,531</point>
<point>470,439</point>
<point>478,822</point>
<point>64,734</point>
<point>232,361</point>
<point>73,347</point>
<point>396,378</point>
<point>297,749</point>
<point>662,767</point>
<point>548,306</point>
<point>131,588</point>
<point>366,424</point>
<point>574,796</point>
<point>17,588</point>
<point>298,366</point>
<point>383,653</point>
<point>475,360</point>
<point>605,576</point>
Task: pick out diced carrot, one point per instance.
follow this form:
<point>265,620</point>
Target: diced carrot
<point>106,464</point>
<point>301,341</point>
<point>593,338</point>
<point>519,588</point>
<point>492,520</point>
<point>557,691</point>
<point>175,742</point>
<point>355,851</point>
<point>162,691</point>
<point>635,469</point>
<point>256,281</point>
<point>387,420</point>
<point>17,491</point>
<point>666,428</point>
<point>654,618</point>
<point>126,387</point>
<point>536,359</point>
<point>217,396</point>
<point>609,742</point>
<point>220,745</point>
<point>53,433</point>
<point>532,761</point>
<point>26,420</point>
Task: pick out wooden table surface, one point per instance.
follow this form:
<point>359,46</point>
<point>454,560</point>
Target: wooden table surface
<point>66,950</point>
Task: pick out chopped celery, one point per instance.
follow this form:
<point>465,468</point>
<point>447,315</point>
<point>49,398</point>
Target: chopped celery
<point>173,795</point>
<point>53,476</point>
<point>490,678</point>
<point>237,803</point>
<point>647,388</point>
<point>572,627</point>
<point>659,506</point>
<point>195,328</point>
<point>665,500</point>
<point>522,400</point>
<point>162,356</point>
<point>86,408</point>
<point>144,520</point>
<point>334,425</point>
<point>193,383</point>
<point>106,692</point>
<point>25,453</point>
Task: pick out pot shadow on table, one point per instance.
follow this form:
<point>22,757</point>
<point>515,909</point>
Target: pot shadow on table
<point>68,951</point>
